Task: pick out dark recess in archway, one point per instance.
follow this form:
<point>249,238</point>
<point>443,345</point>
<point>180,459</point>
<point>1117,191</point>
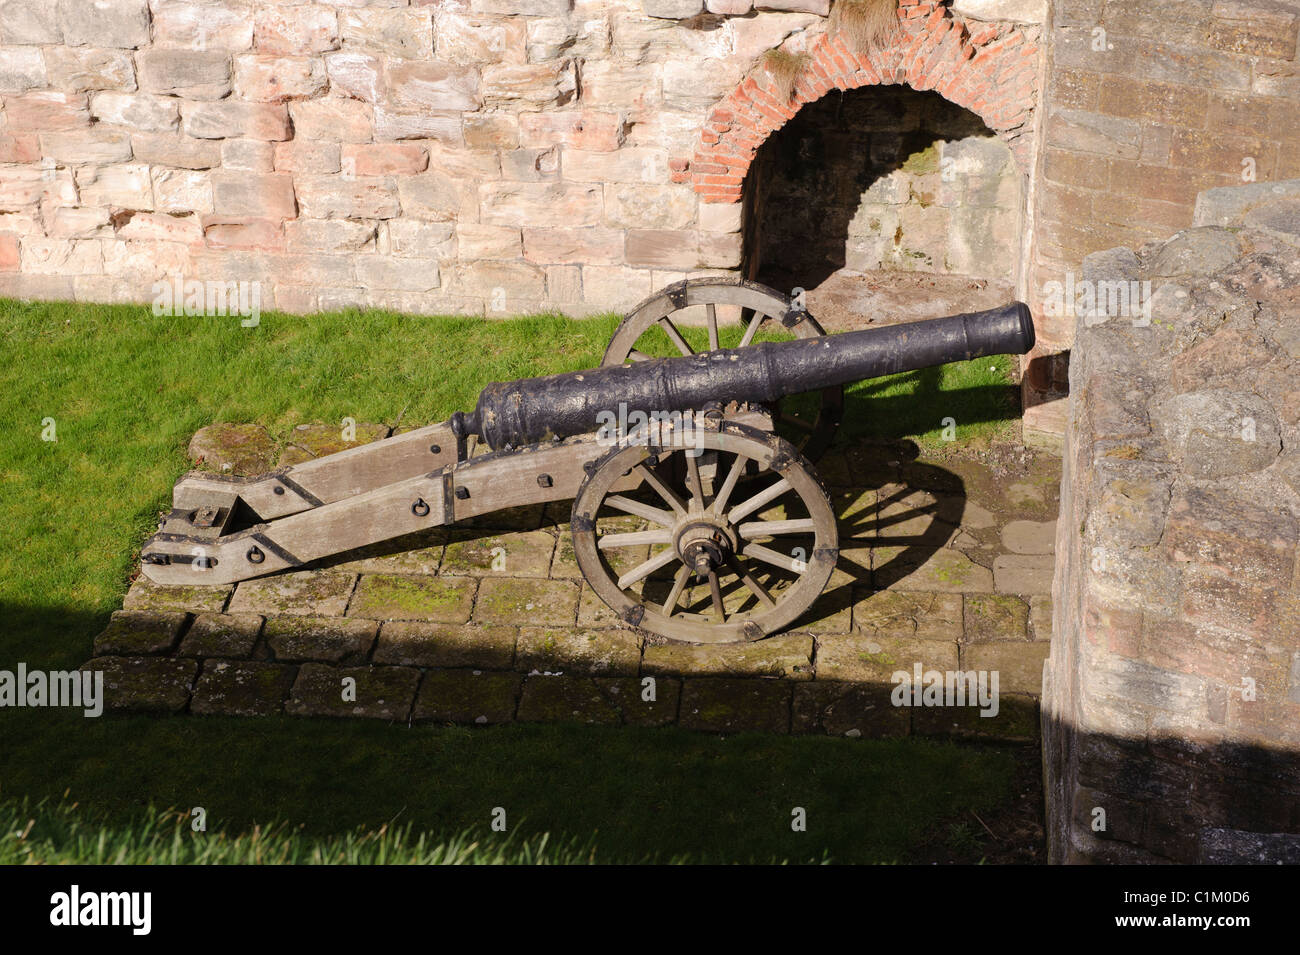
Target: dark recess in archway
<point>820,197</point>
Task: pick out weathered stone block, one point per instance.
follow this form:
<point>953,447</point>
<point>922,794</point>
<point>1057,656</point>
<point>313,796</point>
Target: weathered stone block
<point>230,635</point>
<point>386,159</point>
<point>787,655</point>
<point>514,601</point>
<point>674,9</point>
<point>141,112</point>
<point>234,120</point>
<point>138,632</point>
<point>1216,433</point>
<point>566,699</point>
<point>296,30</point>
<point>180,191</point>
<point>146,684</point>
<point>584,129</point>
<point>202,26</point>
<point>417,85</point>
<point>662,248</point>
<point>573,246</point>
<point>858,658</point>
<point>467,696</point>
<point>734,706</point>
<point>185,73</point>
<point>927,616</point>
<point>242,688</point>
<point>536,85</point>
<point>146,595</point>
<point>333,197</point>
<point>309,158</point>
<point>395,124</point>
<point>990,617</point>
<point>639,206</point>
<point>524,554</point>
<point>845,709</point>
<point>411,643</point>
<point>303,593</point>
<point>276,79</point>
<point>176,150</point>
<point>564,650</point>
<point>115,23</point>
<point>384,693</point>
<point>1023,573</point>
<point>397,32</point>
<point>97,146</point>
<point>22,68</point>
<point>1019,665</point>
<point>321,639</point>
<point>30,21</point>
<point>77,70</point>
<point>647,701</point>
<point>397,597</point>
<point>45,112</point>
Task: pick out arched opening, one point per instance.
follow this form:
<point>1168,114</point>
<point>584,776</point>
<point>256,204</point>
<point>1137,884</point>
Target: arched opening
<point>885,203</point>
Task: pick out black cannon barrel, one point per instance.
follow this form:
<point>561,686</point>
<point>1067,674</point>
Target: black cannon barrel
<point>531,410</point>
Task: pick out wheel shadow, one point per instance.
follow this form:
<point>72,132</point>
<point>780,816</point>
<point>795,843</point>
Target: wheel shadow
<point>893,517</point>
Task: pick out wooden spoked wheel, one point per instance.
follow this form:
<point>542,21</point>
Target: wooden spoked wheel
<point>709,313</point>
<point>674,542</point>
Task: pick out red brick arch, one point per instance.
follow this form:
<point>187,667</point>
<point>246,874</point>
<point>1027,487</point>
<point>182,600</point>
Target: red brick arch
<point>990,69</point>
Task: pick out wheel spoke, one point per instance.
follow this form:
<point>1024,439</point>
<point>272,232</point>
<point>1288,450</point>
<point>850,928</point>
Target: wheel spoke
<point>693,483</point>
<point>753,327</point>
<point>775,558</point>
<point>746,578</point>
<point>674,595</point>
<point>634,539</point>
<point>720,501</point>
<point>662,489</point>
<point>656,514</point>
<point>671,331</point>
<point>803,525</point>
<point>711,315</point>
<point>636,355</point>
<point>741,511</point>
<point>715,590</point>
<point>644,570</point>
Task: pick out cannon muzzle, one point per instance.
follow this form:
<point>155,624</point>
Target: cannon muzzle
<point>532,410</point>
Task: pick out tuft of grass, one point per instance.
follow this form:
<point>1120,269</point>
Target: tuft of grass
<point>784,68</point>
<point>864,24</point>
<point>63,833</point>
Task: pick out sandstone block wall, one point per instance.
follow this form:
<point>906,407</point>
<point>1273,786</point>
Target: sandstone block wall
<point>475,156</point>
<point>1147,104</point>
<point>1172,693</point>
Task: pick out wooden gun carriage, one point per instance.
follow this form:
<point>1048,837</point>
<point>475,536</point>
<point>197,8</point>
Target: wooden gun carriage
<point>701,522</point>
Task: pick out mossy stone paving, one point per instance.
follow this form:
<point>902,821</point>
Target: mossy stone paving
<point>493,623</point>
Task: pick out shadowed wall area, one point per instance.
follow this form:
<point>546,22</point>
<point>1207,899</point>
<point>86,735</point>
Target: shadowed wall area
<point>883,177</point>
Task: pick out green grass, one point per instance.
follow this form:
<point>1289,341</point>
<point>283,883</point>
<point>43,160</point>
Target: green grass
<point>126,391</point>
<point>627,793</point>
<point>59,833</point>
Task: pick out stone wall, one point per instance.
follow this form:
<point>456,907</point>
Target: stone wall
<point>886,178</point>
<point>1172,693</point>
<point>1147,104</point>
<point>472,156</point>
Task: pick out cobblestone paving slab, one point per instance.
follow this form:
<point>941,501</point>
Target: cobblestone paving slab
<point>946,563</point>
<point>242,688</point>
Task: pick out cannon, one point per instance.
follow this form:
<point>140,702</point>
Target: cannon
<point>697,513</point>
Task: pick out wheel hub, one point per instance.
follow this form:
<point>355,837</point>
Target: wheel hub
<point>704,544</point>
